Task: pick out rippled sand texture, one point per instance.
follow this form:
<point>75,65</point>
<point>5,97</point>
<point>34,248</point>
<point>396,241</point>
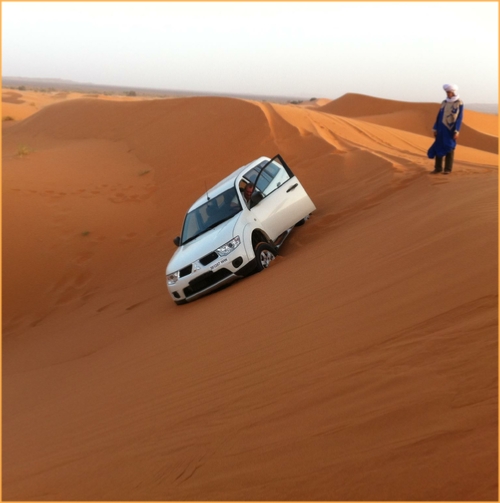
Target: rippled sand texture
<point>362,365</point>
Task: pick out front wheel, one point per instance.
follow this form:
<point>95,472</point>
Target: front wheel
<point>264,255</point>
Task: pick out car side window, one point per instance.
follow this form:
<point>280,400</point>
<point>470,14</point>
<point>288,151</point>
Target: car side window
<point>266,178</point>
<point>273,176</point>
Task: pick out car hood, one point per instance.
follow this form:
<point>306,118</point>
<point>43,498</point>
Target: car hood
<point>203,245</point>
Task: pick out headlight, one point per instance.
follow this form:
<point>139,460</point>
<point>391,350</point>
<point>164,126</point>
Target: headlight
<point>173,278</point>
<point>227,248</point>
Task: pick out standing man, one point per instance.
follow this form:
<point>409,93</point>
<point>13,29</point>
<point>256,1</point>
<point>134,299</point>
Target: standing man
<point>446,130</point>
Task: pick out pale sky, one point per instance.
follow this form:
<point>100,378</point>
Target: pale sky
<point>396,50</point>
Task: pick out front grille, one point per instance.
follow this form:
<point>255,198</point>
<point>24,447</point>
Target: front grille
<point>208,258</point>
<point>186,270</point>
<point>206,280</point>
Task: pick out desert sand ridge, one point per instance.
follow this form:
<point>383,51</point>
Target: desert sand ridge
<point>416,118</point>
<point>362,365</point>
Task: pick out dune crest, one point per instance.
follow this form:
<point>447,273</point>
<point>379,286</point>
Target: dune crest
<point>479,130</point>
<point>361,363</point>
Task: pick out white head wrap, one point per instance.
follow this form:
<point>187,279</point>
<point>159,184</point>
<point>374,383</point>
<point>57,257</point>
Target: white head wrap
<point>450,87</point>
<point>454,89</point>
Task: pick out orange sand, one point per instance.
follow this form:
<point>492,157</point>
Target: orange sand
<point>361,366</point>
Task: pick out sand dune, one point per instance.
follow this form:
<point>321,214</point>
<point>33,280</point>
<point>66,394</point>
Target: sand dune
<point>480,131</point>
<point>21,104</point>
<point>362,365</point>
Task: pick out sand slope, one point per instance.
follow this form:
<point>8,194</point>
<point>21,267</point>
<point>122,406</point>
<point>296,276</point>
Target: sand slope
<point>361,366</point>
<point>479,130</point>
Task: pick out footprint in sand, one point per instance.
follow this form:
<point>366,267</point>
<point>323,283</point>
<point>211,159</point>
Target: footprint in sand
<point>128,237</point>
<point>83,257</point>
<point>82,278</point>
<point>133,198</point>
<point>68,295</point>
<point>119,197</point>
<point>161,233</point>
<point>104,307</point>
<point>72,286</point>
<point>133,306</point>
<point>98,239</point>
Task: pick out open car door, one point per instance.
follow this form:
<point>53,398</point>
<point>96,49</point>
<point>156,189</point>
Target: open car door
<point>279,200</point>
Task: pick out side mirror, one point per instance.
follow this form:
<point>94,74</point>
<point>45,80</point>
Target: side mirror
<point>177,241</point>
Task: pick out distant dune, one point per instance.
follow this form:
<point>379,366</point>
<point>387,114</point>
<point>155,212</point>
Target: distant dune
<point>416,118</point>
<point>54,84</point>
<point>361,366</point>
<point>487,108</point>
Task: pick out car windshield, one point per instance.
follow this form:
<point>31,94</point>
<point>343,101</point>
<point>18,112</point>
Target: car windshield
<point>216,210</point>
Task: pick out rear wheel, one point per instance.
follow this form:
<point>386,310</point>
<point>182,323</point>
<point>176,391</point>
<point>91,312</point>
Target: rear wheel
<point>303,221</point>
<point>264,255</point>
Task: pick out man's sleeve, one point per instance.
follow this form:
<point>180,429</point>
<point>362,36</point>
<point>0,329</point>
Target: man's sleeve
<point>435,128</point>
<point>458,124</point>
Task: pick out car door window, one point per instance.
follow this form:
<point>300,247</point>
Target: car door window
<point>267,177</point>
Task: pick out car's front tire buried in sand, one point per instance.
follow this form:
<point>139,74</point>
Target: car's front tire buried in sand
<point>264,255</point>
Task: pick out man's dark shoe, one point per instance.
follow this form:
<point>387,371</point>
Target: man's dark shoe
<point>435,172</point>
<point>446,172</point>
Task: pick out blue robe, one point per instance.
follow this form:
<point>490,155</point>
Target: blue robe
<point>448,122</point>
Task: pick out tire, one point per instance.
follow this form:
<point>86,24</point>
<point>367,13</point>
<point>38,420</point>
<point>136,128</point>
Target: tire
<point>264,255</point>
<point>302,222</point>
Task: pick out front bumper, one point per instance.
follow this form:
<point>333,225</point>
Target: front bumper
<point>205,279</point>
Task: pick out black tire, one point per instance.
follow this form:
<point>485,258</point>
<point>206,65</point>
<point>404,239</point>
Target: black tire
<point>264,255</point>
<point>303,221</point>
